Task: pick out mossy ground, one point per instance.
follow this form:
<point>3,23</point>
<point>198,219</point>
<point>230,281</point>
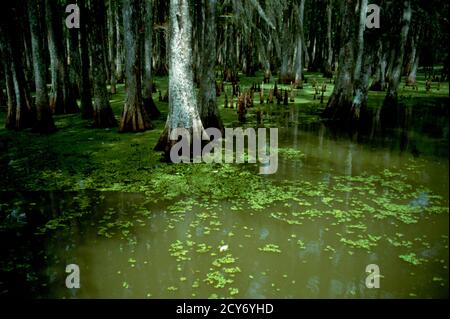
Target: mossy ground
<point>80,157</point>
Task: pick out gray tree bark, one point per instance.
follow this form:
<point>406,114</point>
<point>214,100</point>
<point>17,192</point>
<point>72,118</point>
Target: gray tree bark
<point>360,38</point>
<point>112,44</point>
<point>119,43</point>
<point>87,108</point>
<point>209,112</point>
<point>183,112</point>
<point>340,103</point>
<point>149,104</point>
<point>10,122</point>
<point>362,83</point>
<point>103,114</point>
<point>20,113</point>
<point>329,60</point>
<point>300,45</point>
<point>395,77</point>
<point>61,99</point>
<point>379,81</point>
<point>44,120</point>
<point>134,116</point>
<point>413,63</point>
<point>287,49</point>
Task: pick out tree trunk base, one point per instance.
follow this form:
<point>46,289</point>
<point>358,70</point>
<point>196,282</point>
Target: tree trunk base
<point>287,79</point>
<point>87,112</point>
<point>327,72</point>
<point>59,106</point>
<point>339,108</point>
<point>104,118</point>
<point>72,106</point>
<point>56,105</point>
<point>136,121</point>
<point>165,145</point>
<point>376,86</point>
<point>213,121</point>
<point>151,108</point>
<point>45,126</point>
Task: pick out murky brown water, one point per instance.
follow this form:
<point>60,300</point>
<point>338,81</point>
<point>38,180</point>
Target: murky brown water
<point>159,256</point>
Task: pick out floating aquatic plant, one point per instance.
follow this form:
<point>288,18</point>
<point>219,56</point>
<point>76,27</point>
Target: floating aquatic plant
<point>270,248</point>
<point>412,259</point>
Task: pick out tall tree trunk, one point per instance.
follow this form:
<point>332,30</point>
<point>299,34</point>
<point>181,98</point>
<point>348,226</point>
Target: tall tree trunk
<point>74,62</point>
<point>300,46</point>
<point>286,66</point>
<point>160,53</point>
<point>183,112</point>
<point>3,100</point>
<point>340,103</point>
<point>61,99</point>
<point>413,63</point>
<point>10,122</point>
<point>197,36</point>
<point>134,116</point>
<point>87,108</point>
<point>360,38</point>
<point>103,114</point>
<point>27,53</point>
<point>112,44</point>
<point>390,63</point>
<point>379,81</point>
<point>209,112</point>
<point>44,120</point>
<point>286,70</point>
<point>413,73</point>
<point>105,40</point>
<point>328,71</point>
<point>299,62</point>
<point>395,77</point>
<point>20,112</point>
<point>149,104</point>
<point>119,42</point>
<point>5,56</point>
<point>360,97</point>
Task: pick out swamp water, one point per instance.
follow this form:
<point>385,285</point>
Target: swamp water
<point>337,204</point>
